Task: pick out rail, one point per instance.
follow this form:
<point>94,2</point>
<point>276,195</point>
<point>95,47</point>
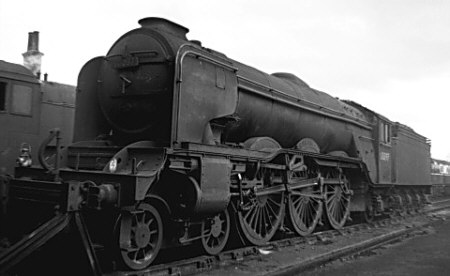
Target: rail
<point>13,256</point>
<point>31,242</point>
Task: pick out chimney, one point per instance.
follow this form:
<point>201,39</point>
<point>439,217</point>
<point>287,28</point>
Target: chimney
<point>32,57</point>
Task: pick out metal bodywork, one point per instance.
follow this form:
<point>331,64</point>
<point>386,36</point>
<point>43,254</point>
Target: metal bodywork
<point>411,152</point>
<point>51,105</point>
<point>150,71</point>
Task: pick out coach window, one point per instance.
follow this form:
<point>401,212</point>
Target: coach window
<point>385,133</point>
<point>2,96</point>
<point>21,100</point>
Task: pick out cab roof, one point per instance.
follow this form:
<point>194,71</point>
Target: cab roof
<point>15,71</point>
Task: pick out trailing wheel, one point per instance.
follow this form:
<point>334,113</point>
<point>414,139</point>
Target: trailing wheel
<point>305,209</point>
<point>337,199</point>
<point>215,233</point>
<point>140,236</point>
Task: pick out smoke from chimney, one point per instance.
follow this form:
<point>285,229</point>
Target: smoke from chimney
<point>32,57</point>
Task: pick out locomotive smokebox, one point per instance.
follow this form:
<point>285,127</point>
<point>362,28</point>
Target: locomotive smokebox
<point>134,81</point>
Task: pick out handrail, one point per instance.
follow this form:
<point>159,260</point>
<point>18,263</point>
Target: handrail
<point>53,133</point>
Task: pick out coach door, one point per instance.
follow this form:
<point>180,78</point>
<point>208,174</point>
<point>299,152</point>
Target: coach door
<point>384,151</point>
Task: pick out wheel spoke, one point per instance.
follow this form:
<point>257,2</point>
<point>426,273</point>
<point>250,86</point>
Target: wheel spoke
<point>271,211</point>
<point>129,249</point>
<point>251,212</point>
<point>262,225</point>
<point>310,213</point>
<point>267,217</point>
<point>273,202</point>
<point>254,221</point>
<point>143,218</point>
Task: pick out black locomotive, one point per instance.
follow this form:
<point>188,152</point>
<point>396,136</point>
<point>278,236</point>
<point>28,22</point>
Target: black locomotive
<point>177,144</point>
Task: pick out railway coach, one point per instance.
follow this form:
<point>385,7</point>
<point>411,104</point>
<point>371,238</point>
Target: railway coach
<point>29,108</point>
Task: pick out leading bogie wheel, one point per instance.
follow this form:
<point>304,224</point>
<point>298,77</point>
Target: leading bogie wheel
<point>140,236</point>
<point>215,233</point>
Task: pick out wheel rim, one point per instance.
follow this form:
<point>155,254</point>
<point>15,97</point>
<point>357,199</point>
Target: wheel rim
<point>215,233</point>
<point>261,216</point>
<point>305,210</point>
<point>140,236</point>
<point>337,198</point>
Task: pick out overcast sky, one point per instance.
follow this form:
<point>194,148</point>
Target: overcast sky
<point>392,56</point>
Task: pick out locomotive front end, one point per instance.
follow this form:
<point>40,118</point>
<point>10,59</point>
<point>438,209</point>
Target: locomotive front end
<point>133,83</point>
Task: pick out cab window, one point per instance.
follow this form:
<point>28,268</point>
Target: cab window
<point>385,133</point>
<point>2,96</point>
<point>21,99</point>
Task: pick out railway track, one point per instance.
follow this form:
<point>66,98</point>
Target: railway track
<point>219,265</point>
<point>441,202</point>
<point>290,246</point>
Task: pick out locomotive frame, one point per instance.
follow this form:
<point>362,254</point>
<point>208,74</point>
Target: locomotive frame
<point>178,144</point>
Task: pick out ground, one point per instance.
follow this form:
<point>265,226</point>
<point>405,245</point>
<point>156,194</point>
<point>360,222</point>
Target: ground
<point>427,253</point>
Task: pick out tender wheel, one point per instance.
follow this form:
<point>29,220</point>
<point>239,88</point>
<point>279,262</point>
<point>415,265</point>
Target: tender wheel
<point>398,204</point>
<point>337,200</point>
<point>140,236</point>
<point>408,200</point>
<point>215,233</point>
<point>417,205</point>
<point>369,213</point>
<point>305,209</point>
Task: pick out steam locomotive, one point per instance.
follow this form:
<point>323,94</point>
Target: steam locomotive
<point>176,144</point>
